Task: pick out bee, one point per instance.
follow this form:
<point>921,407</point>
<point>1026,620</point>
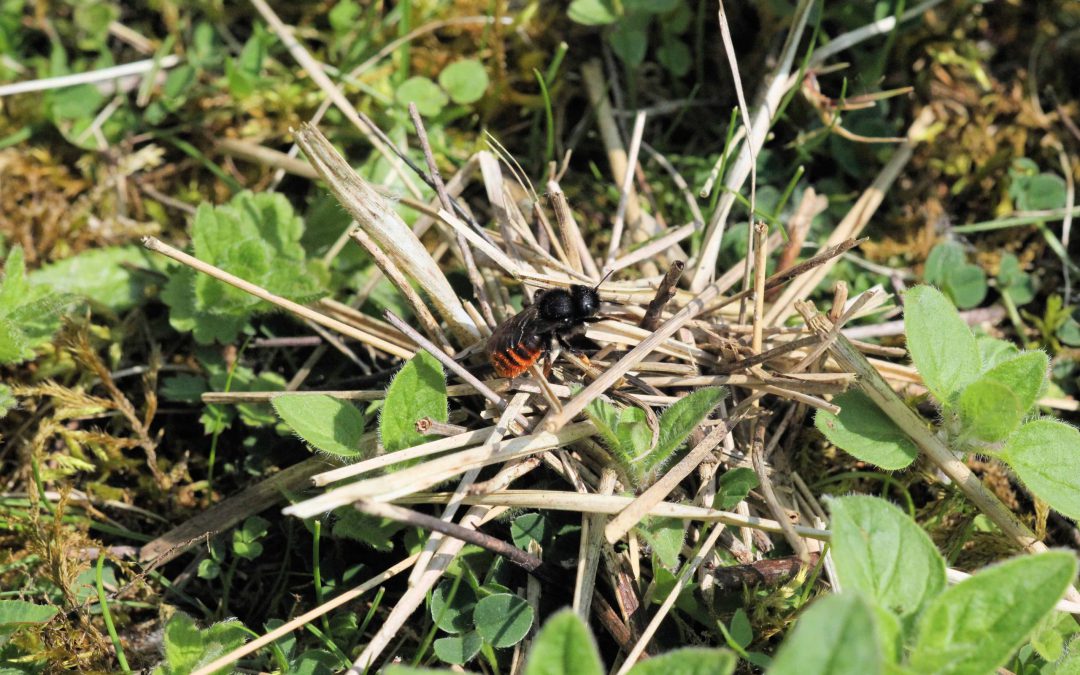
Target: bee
<point>521,340</point>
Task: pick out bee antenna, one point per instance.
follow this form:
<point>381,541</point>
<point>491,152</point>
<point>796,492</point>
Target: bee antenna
<point>603,279</point>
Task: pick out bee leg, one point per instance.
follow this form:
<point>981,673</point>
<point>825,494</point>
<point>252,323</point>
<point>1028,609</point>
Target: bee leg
<point>548,365</point>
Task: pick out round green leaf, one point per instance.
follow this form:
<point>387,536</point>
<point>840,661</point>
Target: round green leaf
<point>465,81</point>
<point>458,649</point>
<point>967,285</point>
<point>1045,454</point>
<point>428,97</point>
<point>324,422</point>
<point>592,12</point>
<point>453,614</point>
<point>865,432</point>
<point>676,57</point>
<point>629,43</point>
<point>564,646</point>
<point>502,619</point>
<point>1041,192</point>
<point>531,527</point>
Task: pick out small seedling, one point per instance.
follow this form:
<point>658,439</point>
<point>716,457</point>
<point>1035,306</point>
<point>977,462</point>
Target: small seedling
<point>630,440</point>
<point>986,391</point>
<point>894,613</point>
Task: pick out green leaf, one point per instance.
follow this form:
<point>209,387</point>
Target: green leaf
<point>1044,454</point>
<point>883,554</point>
<point>679,420</point>
<point>944,257</point>
<point>688,661</point>
<point>324,422</point>
<point>371,530</point>
<point>942,346</point>
<point>502,619</point>
<point>606,419</point>
<point>16,612</point>
<point>564,646</point>
<point>186,647</point>
<point>665,536</point>
<point>741,630</point>
<point>733,486</point>
<point>257,238</point>
<point>676,57</point>
<point>246,538</point>
<point>629,43</point>
<point>1038,193</point>
<point>993,351</point>
<point>8,402</point>
<point>29,315</point>
<point>465,81</point>
<point>531,527</point>
<point>105,275</point>
<point>458,649</point>
<point>836,636</point>
<point>314,662</point>
<point>966,285</point>
<point>417,391</point>
<point>865,432</point>
<point>1025,375</point>
<point>974,626</point>
<point>398,669</point>
<point>452,608</point>
<point>592,12</point>
<point>1013,281</point>
<point>428,97</point>
<point>993,406</point>
<point>184,388</point>
<point>990,410</point>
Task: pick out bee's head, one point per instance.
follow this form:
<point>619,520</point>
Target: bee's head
<point>585,301</point>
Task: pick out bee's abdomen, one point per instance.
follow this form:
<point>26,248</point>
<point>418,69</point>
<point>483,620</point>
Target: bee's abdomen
<point>513,360</point>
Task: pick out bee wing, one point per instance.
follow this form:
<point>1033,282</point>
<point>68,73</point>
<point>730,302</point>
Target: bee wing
<point>518,328</point>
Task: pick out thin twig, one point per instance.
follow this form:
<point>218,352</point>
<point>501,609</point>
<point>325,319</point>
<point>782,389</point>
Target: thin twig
<point>664,293</point>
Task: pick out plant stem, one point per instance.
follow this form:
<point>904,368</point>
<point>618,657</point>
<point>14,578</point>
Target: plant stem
<point>107,616</point>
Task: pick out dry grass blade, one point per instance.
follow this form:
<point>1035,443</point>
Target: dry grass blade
<point>421,476</point>
<point>373,213</point>
<point>611,505</point>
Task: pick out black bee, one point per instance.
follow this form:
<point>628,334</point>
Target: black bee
<point>521,340</point>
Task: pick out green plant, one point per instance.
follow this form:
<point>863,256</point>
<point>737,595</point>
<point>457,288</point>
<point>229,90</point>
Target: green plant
<point>255,237</point>
<point>462,82</point>
<point>629,23</point>
<point>325,423</point>
<point>894,614</point>
<point>29,313</point>
<point>1032,190</point>
<point>986,391</point>
<point>948,269</point>
<point>476,616</point>
<point>564,646</point>
<point>630,439</point>
<point>187,646</point>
